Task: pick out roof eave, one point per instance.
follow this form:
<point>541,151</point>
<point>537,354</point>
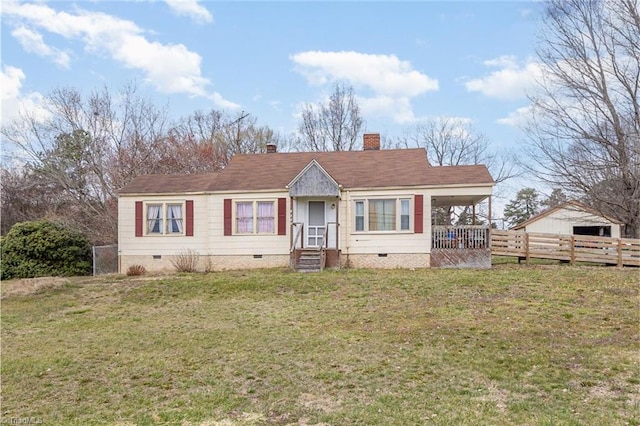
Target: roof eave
<point>174,193</point>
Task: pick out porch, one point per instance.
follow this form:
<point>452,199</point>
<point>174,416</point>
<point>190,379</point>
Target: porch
<point>316,250</point>
<point>460,247</point>
<point>460,231</point>
<point>315,203</point>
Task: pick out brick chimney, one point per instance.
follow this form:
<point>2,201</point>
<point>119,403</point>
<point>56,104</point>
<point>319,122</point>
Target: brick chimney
<point>371,141</point>
<point>271,148</point>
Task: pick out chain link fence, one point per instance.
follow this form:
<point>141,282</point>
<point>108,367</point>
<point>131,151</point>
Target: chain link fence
<point>105,260</point>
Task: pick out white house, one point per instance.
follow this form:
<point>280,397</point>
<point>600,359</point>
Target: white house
<point>572,218</point>
<point>369,208</point>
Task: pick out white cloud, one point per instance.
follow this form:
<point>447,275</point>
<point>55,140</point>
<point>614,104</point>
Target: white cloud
<point>14,102</point>
<point>511,81</point>
<point>392,81</point>
<point>384,74</point>
<point>399,108</point>
<point>170,68</point>
<point>11,78</point>
<point>518,117</point>
<point>192,9</point>
<point>33,42</point>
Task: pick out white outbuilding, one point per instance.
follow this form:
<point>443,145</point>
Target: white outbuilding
<point>572,218</point>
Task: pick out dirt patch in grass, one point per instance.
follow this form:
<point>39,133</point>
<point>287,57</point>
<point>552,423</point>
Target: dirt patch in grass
<point>28,286</point>
<point>323,403</point>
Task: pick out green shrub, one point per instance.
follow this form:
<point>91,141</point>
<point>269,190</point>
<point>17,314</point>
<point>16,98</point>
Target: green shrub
<point>43,248</point>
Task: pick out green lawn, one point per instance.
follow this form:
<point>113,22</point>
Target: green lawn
<point>519,345</point>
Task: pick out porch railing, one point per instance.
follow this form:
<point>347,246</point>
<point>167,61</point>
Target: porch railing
<point>331,235</point>
<point>323,249</point>
<point>460,237</point>
<point>325,244</point>
<point>297,230</point>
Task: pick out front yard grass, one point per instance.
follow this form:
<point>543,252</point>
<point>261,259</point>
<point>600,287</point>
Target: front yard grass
<point>514,345</point>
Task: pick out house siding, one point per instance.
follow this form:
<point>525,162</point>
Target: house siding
<point>374,243</point>
<point>217,251</point>
<point>132,247</point>
<point>245,244</point>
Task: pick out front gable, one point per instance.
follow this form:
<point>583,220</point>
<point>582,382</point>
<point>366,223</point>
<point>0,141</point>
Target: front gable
<point>313,181</point>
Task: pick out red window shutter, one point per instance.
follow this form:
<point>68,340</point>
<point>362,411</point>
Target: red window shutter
<point>227,216</point>
<point>418,214</point>
<point>138,218</point>
<point>282,216</point>
<point>189,217</point>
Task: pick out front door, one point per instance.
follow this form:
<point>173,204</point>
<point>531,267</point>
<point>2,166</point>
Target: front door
<point>316,224</point>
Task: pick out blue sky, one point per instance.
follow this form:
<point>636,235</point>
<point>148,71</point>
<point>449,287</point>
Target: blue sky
<point>407,61</point>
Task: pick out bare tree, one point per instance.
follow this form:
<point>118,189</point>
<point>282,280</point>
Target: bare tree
<point>75,162</point>
<point>332,126</point>
<point>211,139</point>
<point>88,148</point>
<point>242,135</point>
<point>25,197</point>
<point>451,141</point>
<point>584,134</point>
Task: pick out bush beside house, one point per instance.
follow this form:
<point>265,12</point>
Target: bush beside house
<point>43,248</point>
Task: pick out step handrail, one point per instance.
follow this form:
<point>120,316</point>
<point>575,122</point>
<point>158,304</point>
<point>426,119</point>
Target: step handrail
<point>325,244</point>
<point>297,234</point>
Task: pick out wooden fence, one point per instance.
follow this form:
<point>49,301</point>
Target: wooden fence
<point>570,248</point>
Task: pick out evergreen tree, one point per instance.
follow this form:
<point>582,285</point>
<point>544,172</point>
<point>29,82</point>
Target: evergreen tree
<point>523,207</point>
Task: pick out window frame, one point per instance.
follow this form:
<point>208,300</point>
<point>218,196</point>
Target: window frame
<point>237,218</point>
<point>273,217</point>
<point>408,215</point>
<point>164,218</point>
<point>361,216</point>
<point>169,221</point>
<point>255,219</point>
<point>365,202</point>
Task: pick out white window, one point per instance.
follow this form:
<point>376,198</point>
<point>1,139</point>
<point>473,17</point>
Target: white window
<point>266,217</point>
<point>154,219</point>
<point>359,215</point>
<point>383,215</point>
<point>174,219</point>
<point>405,224</point>
<point>165,218</point>
<point>263,222</point>
<point>244,218</point>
